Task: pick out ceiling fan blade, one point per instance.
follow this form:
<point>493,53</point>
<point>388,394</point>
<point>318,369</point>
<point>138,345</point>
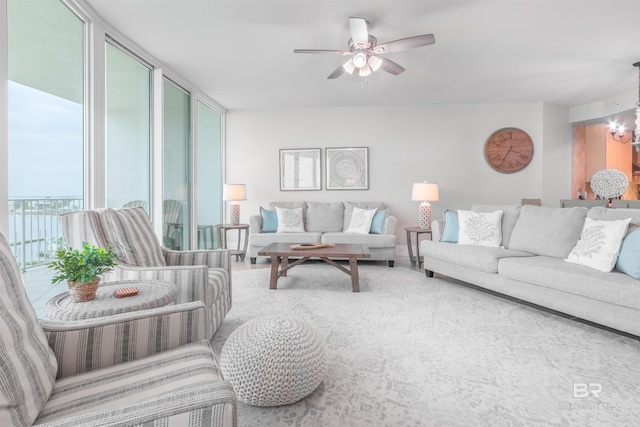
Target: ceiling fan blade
<point>335,52</point>
<point>391,67</point>
<point>404,44</point>
<point>359,33</point>
<point>337,73</point>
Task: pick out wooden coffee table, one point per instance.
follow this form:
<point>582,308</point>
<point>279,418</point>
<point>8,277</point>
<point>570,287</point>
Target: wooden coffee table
<point>280,253</point>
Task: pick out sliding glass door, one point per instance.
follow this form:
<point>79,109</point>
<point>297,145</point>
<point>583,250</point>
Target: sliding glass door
<point>46,54</point>
<point>176,203</point>
<point>128,124</point>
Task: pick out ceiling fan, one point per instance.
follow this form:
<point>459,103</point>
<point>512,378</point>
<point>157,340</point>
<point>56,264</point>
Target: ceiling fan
<point>365,51</point>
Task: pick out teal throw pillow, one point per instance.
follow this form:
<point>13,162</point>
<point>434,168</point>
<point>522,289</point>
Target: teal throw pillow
<point>629,256</point>
<point>377,223</point>
<point>269,221</point>
<point>451,227</point>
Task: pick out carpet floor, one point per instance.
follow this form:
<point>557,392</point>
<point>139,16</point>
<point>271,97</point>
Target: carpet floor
<point>412,351</point>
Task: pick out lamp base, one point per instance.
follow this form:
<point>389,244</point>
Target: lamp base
<point>425,215</point>
<point>234,214</point>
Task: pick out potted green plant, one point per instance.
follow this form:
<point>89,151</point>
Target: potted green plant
<point>82,268</point>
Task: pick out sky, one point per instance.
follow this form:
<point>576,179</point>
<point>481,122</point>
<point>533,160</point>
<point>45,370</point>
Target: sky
<point>45,144</point>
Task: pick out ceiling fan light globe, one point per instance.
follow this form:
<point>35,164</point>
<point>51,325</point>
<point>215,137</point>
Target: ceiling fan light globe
<point>375,63</point>
<point>360,59</point>
<point>349,67</point>
<point>365,71</point>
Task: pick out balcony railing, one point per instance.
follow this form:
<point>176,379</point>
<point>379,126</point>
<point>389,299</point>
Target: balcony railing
<point>34,229</point>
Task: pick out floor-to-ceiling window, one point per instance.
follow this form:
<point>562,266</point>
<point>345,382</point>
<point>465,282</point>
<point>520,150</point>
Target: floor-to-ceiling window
<point>128,124</point>
<point>46,54</point>
<point>209,174</point>
<point>176,182</point>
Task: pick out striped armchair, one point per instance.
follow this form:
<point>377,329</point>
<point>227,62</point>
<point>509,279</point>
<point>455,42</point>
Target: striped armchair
<point>131,369</point>
<point>202,275</point>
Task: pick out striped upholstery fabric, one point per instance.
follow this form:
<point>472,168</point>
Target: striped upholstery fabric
<point>202,275</point>
<point>27,363</point>
<point>102,342</point>
<point>130,233</point>
<point>82,226</point>
<point>181,387</point>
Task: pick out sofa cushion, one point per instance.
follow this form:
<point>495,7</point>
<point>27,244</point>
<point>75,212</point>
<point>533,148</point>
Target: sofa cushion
<point>480,229</point>
<point>264,239</point>
<point>606,214</point>
<point>373,241</point>
<point>361,221</point>
<point>547,231</point>
<point>146,385</point>
<point>510,214</point>
<point>615,287</point>
<point>290,220</point>
<point>475,257</point>
<point>377,223</point>
<point>599,244</point>
<point>324,217</point>
<point>629,257</point>
<point>348,210</point>
<point>130,233</point>
<point>289,205</point>
<point>269,220</point>
<point>28,367</point>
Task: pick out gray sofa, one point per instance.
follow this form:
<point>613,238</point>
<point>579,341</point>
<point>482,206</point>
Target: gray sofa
<point>530,266</point>
<point>324,222</point>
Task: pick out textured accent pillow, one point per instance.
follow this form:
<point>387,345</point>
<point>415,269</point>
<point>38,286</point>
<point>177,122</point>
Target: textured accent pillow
<point>289,220</point>
<point>510,214</point>
<point>348,210</point>
<point>361,221</point>
<point>451,227</point>
<point>377,224</point>
<point>269,220</point>
<point>480,228</point>
<point>547,231</point>
<point>629,256</point>
<point>599,244</point>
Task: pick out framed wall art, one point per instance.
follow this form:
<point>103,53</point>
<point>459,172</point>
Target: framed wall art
<point>300,169</point>
<point>347,168</point>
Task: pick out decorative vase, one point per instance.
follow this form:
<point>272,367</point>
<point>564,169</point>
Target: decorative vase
<point>83,292</point>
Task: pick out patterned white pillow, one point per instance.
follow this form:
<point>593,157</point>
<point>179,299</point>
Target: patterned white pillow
<point>599,244</point>
<point>289,220</point>
<point>361,221</point>
<point>480,228</point>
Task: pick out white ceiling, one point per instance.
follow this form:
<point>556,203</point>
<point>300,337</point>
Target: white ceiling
<point>240,52</point>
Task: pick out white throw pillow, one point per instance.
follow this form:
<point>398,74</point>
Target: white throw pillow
<point>361,221</point>
<point>599,244</point>
<point>289,220</point>
<point>480,228</point>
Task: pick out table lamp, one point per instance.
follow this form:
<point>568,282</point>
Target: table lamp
<point>234,193</point>
<point>425,192</point>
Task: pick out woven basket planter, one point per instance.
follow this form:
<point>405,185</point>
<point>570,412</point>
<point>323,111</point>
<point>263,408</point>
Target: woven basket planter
<point>83,292</point>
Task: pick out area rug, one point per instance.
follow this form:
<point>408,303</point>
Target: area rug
<point>412,351</point>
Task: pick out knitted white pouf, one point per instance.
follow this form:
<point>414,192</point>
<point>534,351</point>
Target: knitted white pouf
<point>273,360</point>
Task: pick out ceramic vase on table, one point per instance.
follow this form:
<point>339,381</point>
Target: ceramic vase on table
<point>83,292</point>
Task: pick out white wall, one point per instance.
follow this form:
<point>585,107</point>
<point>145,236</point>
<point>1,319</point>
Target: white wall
<point>441,143</point>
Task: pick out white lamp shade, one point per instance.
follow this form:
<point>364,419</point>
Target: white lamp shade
<point>425,192</point>
<point>234,192</point>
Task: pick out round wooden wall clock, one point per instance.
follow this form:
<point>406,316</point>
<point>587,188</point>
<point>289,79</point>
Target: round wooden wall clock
<point>509,150</point>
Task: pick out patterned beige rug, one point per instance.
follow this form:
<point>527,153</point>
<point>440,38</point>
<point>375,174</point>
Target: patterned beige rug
<point>412,351</point>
